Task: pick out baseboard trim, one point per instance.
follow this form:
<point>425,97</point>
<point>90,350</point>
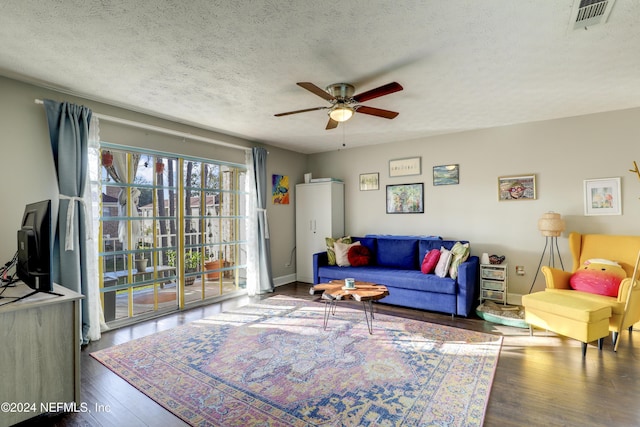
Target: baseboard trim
<point>284,280</point>
<point>514,299</point>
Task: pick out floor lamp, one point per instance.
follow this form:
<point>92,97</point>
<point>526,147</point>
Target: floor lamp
<point>551,225</point>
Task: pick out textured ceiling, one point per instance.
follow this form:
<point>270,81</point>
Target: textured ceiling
<point>229,66</point>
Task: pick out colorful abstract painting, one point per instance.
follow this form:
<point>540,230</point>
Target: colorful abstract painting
<point>280,191</point>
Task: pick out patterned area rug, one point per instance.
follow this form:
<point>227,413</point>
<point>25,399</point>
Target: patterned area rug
<point>272,364</point>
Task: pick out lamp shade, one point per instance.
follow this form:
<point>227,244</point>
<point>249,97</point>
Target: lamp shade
<point>341,113</point>
<point>551,224</point>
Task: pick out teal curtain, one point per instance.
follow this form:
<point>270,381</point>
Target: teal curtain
<point>68,132</point>
<point>265,281</point>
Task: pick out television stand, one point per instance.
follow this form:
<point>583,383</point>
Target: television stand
<point>37,292</point>
<point>16,299</point>
<point>40,350</point>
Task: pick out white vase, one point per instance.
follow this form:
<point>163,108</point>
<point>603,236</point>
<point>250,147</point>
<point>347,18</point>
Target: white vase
<point>485,259</point>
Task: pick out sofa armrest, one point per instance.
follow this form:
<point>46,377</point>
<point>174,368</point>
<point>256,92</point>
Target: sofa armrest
<point>468,286</point>
<point>555,278</point>
<point>320,259</point>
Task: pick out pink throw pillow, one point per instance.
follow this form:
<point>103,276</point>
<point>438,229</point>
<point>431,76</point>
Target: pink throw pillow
<point>430,261</point>
<point>598,276</point>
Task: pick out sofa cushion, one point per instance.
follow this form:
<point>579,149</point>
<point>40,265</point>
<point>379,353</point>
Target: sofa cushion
<point>398,253</point>
<point>460,253</point>
<point>342,252</point>
<point>430,261</point>
<point>330,252</point>
<point>426,244</point>
<point>392,278</point>
<point>442,268</point>
<point>358,255</point>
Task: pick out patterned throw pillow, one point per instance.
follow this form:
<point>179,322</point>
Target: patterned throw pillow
<point>460,254</point>
<point>430,261</point>
<point>442,268</point>
<point>329,242</point>
<point>342,253</point>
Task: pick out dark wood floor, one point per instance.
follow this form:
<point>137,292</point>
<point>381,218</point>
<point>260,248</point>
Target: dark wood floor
<point>540,381</point>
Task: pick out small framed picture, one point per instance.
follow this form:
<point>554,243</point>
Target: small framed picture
<point>521,187</point>
<point>369,181</point>
<point>602,196</point>
<point>405,167</point>
<point>446,175</point>
<point>280,189</point>
<point>405,198</point>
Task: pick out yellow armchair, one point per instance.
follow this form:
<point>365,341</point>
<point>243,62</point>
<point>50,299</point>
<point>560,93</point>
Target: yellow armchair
<point>625,250</point>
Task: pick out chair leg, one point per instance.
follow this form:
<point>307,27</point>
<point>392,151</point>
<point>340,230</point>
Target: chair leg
<point>584,349</point>
<point>631,328</point>
<point>600,343</point>
<point>614,339</point>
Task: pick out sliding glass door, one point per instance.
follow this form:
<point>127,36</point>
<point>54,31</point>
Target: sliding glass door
<point>172,232</point>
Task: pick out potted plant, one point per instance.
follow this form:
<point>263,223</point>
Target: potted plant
<point>192,261</point>
<point>141,259</point>
<point>214,263</point>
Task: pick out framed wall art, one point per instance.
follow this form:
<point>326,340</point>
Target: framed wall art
<point>369,181</point>
<point>280,189</point>
<point>405,167</point>
<point>446,175</point>
<point>602,196</point>
<point>405,198</point>
<point>521,187</point>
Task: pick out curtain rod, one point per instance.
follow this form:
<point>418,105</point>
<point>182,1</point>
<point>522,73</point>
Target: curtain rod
<point>161,130</point>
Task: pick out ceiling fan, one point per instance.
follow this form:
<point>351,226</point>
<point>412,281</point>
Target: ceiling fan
<point>344,103</point>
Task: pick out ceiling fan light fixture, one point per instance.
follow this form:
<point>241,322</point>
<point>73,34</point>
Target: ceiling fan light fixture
<point>341,113</point>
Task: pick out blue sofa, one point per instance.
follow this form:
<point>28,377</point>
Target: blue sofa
<point>395,263</point>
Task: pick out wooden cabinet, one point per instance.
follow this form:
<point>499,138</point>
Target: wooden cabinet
<point>40,353</point>
<point>319,214</point>
<point>493,282</point>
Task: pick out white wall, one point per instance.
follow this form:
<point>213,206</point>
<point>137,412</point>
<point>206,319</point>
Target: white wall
<point>561,153</point>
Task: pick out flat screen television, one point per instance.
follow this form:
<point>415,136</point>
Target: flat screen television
<point>34,247</point>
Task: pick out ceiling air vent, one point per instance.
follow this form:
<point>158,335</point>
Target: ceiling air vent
<point>590,12</point>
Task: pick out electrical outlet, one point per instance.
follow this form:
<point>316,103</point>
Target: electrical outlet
<point>520,270</point>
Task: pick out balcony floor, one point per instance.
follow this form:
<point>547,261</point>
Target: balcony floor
<point>166,296</point>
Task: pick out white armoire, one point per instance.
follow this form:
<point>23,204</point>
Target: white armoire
<point>319,214</point>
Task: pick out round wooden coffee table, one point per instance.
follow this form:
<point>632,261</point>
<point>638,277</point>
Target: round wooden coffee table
<point>364,291</point>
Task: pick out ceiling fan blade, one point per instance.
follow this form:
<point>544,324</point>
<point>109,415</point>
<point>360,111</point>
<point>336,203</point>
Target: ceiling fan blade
<point>315,89</point>
<point>300,111</point>
<point>332,124</point>
<point>377,112</point>
<point>377,92</point>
